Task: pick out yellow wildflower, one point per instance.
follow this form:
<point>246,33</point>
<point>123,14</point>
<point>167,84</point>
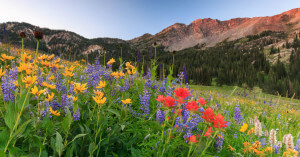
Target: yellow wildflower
<point>121,74</point>
<point>35,91</point>
<point>70,69</point>
<point>25,57</point>
<point>251,131</point>
<point>45,63</point>
<point>51,78</point>
<point>23,66</point>
<point>231,148</point>
<point>16,83</point>
<point>56,113</point>
<point>126,101</point>
<point>74,98</point>
<point>57,60</point>
<point>111,61</point>
<point>43,57</point>
<point>115,74</point>
<point>290,153</point>
<point>1,72</point>
<point>29,80</point>
<point>98,93</point>
<point>101,84</point>
<point>98,100</point>
<point>5,57</point>
<point>256,145</point>
<point>244,127</point>
<point>68,73</point>
<point>50,97</point>
<point>49,85</point>
<point>80,87</point>
<point>268,150</point>
<point>50,57</point>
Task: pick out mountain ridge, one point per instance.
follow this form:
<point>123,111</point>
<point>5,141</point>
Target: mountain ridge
<point>179,36</point>
<point>212,31</point>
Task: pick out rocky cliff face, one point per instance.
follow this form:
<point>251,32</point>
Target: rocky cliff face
<point>212,31</point>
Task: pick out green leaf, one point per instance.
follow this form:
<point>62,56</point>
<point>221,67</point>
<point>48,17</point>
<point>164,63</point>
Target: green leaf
<point>91,148</point>
<point>4,137</point>
<point>114,112</point>
<point>75,105</point>
<point>69,152</point>
<point>58,144</point>
<point>21,129</point>
<point>2,154</point>
<point>10,116</point>
<point>67,121</point>
<point>24,100</point>
<point>77,136</point>
<point>135,152</point>
<point>122,127</point>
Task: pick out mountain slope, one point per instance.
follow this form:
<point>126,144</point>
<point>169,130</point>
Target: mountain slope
<point>203,32</point>
<point>212,31</point>
<point>62,42</point>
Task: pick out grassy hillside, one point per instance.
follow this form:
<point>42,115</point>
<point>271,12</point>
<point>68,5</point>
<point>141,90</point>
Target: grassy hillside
<point>54,107</point>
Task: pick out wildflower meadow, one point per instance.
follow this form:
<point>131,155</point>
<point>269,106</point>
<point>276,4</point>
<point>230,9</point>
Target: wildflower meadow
<point>50,106</point>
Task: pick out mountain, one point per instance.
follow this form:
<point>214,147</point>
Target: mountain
<point>201,33</point>
<point>62,42</point>
<point>209,32</point>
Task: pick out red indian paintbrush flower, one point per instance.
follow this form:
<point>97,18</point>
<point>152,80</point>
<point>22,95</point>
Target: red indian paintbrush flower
<point>192,106</point>
<point>160,98</point>
<point>219,121</point>
<point>178,112</point>
<point>169,101</point>
<point>182,93</point>
<point>208,132</point>
<point>202,101</point>
<point>208,114</point>
<point>192,139</point>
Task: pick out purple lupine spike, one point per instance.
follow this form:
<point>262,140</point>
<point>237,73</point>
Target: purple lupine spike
<point>64,100</point>
<point>219,143</point>
<point>148,84</point>
<point>160,116</point>
<point>76,116</point>
<point>145,103</point>
<point>186,77</point>
<point>237,114</point>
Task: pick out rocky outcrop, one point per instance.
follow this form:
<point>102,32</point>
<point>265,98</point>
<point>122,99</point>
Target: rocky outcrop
<point>212,31</point>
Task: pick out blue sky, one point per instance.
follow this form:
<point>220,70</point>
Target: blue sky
<point>127,19</point>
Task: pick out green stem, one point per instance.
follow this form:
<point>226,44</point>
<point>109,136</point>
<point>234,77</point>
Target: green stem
<point>36,51</point>
<point>16,123</point>
<point>162,133</point>
<point>168,136</point>
<point>43,143</point>
<point>155,53</point>
<point>173,62</point>
<point>104,59</point>
<point>207,145</point>
<point>163,71</point>
<point>190,149</point>
<point>22,45</point>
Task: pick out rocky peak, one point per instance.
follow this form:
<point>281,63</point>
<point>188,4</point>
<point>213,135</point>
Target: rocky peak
<point>212,31</point>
